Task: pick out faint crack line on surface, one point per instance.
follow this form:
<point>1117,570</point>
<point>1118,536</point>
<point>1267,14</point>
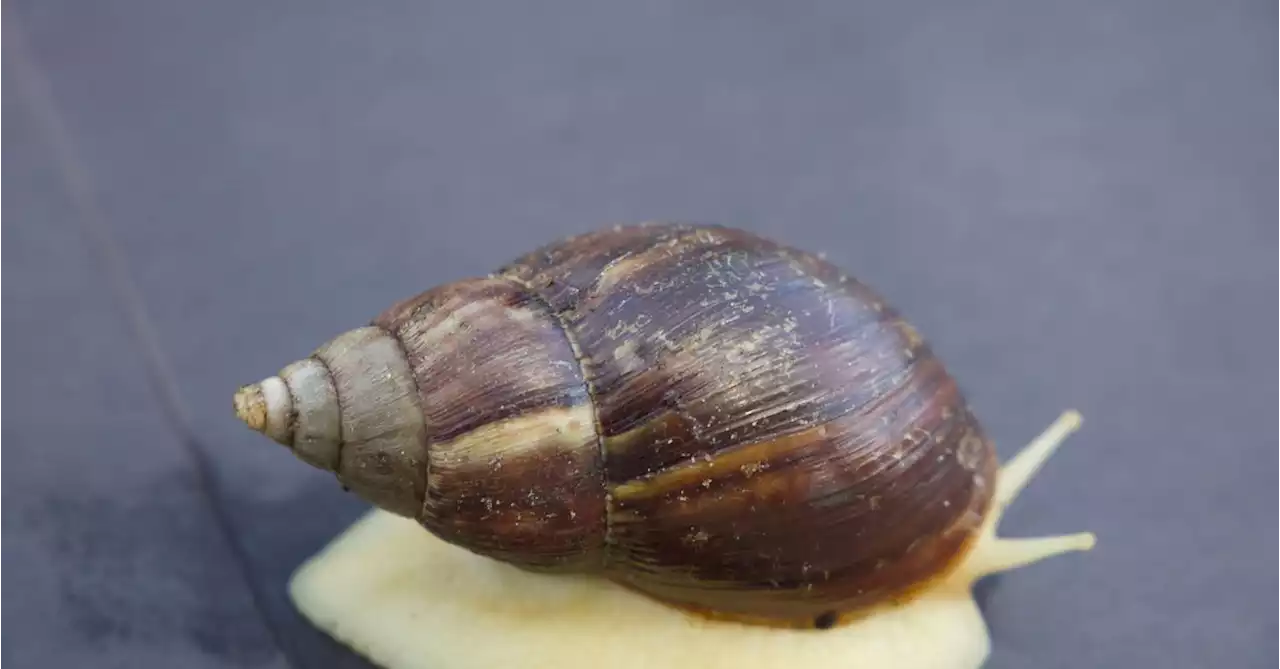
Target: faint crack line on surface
<point>35,92</point>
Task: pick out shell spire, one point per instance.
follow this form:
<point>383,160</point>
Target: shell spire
<point>350,408</point>
<point>297,408</point>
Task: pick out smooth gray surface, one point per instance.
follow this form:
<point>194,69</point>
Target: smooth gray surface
<point>112,556</point>
<point>1072,200</point>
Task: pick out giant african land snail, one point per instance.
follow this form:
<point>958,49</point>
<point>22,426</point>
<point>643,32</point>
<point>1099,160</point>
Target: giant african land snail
<point>729,426</point>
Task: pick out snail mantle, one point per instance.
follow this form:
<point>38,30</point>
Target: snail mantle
<point>404,599</point>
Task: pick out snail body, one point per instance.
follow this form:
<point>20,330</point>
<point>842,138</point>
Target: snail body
<point>724,424</point>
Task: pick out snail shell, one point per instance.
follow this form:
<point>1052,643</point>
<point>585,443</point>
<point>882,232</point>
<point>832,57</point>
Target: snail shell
<point>726,424</point>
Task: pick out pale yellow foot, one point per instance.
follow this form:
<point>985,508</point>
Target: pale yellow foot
<point>406,600</point>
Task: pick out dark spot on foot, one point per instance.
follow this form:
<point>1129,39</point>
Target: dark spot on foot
<point>826,620</point>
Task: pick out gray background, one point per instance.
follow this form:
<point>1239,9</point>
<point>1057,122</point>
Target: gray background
<point>1072,200</point>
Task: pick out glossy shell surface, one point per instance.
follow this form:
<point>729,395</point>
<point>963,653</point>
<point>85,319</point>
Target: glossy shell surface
<point>724,423</point>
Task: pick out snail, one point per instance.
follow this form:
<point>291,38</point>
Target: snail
<point>689,425</point>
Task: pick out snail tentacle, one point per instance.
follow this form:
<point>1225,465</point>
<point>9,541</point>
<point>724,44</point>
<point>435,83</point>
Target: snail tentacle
<point>996,554</point>
<point>1019,470</point>
<point>1009,554</point>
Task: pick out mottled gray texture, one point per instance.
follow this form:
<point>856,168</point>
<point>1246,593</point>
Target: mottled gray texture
<point>1072,200</point>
